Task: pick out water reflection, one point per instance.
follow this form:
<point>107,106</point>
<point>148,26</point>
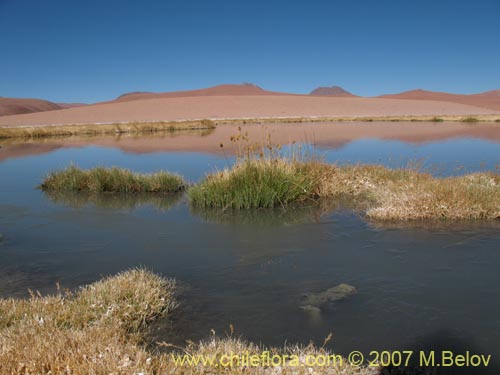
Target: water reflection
<point>73,199</point>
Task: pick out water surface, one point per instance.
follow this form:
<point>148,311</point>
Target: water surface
<point>418,287</point>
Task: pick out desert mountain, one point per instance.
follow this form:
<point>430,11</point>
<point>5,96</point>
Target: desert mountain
<point>330,91</point>
<point>219,90</point>
<point>14,106</point>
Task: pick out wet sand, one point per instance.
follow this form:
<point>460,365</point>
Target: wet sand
<point>330,135</point>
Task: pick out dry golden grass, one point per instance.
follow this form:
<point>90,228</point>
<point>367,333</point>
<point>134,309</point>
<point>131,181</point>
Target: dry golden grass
<point>384,194</point>
<point>94,331</point>
<point>99,129</point>
<point>100,330</point>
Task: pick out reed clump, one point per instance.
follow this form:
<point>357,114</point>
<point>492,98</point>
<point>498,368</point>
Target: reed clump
<point>268,179</point>
<point>264,183</point>
<point>115,180</point>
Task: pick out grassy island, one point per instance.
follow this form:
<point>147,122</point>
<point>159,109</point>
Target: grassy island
<point>112,180</point>
<point>383,194</point>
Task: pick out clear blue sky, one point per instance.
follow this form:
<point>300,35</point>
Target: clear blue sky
<point>86,51</point>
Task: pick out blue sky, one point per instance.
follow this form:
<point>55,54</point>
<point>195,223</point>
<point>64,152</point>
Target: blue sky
<point>87,51</point>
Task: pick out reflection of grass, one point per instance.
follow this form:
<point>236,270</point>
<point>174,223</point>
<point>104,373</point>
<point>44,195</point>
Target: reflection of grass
<point>113,201</point>
<point>263,217</point>
<point>114,180</point>
<point>101,329</point>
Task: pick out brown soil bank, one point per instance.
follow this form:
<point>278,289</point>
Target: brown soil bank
<point>240,107</point>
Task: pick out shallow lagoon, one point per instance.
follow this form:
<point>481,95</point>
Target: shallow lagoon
<point>418,287</point>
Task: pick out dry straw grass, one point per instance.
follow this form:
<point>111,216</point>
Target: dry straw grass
<point>94,331</point>
<point>266,179</point>
<point>43,131</point>
<point>100,330</point>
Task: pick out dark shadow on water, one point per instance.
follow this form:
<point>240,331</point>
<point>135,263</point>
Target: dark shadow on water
<point>262,217</point>
<point>115,201</point>
<point>436,225</point>
<point>444,341</point>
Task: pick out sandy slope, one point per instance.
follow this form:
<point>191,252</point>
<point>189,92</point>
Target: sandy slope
<point>219,90</point>
<point>14,106</point>
<point>489,99</point>
<point>240,107</point>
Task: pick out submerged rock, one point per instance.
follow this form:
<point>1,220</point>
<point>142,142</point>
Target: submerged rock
<point>310,308</point>
<point>333,294</point>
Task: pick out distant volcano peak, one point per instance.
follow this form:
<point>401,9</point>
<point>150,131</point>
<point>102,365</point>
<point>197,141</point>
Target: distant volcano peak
<point>330,91</point>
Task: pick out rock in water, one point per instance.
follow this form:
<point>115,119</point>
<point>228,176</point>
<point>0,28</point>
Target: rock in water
<point>310,309</point>
<point>336,293</point>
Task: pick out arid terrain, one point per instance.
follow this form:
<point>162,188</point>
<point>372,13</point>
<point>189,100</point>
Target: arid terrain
<point>248,101</point>
<point>488,99</point>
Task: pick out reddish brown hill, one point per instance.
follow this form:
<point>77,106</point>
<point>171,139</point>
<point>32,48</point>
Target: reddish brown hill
<point>220,90</point>
<point>331,91</point>
<point>14,106</point>
<point>71,105</point>
<point>489,99</point>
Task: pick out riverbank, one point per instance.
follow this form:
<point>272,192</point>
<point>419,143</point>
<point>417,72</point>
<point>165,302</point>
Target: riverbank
<point>94,129</point>
<point>101,329</point>
<point>58,130</point>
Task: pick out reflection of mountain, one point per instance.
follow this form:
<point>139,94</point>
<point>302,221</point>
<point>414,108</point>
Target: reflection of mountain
<point>324,135</point>
<point>113,201</point>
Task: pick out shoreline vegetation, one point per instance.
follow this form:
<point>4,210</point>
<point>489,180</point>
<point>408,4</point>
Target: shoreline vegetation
<point>41,131</point>
<point>102,329</point>
<point>382,194</point>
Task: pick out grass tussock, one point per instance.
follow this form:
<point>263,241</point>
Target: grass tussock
<point>101,329</point>
<point>264,183</point>
<point>94,331</point>
<point>382,193</point>
<point>116,180</point>
<point>470,119</point>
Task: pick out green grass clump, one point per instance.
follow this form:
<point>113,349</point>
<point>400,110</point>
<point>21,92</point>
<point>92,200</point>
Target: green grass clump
<point>115,180</point>
<point>437,119</point>
<point>259,183</point>
<point>470,119</point>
